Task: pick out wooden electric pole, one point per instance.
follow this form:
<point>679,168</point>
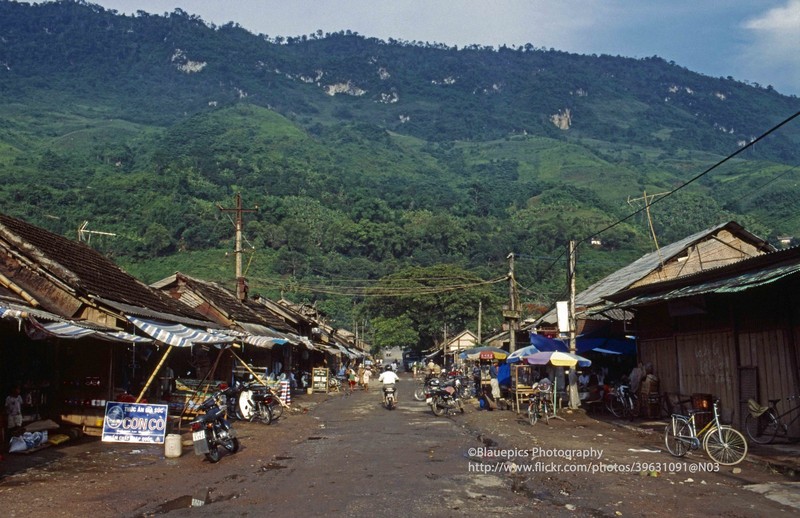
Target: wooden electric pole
<point>512,313</point>
<point>574,396</point>
<point>480,317</point>
<point>648,200</point>
<point>241,291</point>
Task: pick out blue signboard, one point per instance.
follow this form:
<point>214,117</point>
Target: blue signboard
<point>134,422</point>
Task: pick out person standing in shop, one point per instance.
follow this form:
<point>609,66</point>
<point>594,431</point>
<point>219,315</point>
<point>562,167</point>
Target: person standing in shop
<point>14,408</point>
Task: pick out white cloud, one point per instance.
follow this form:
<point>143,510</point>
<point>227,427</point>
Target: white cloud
<point>774,50</point>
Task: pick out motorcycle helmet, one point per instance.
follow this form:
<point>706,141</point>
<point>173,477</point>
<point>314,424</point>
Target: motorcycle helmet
<point>388,368</point>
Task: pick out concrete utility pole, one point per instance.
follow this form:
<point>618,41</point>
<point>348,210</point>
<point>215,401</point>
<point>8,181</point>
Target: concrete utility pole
<point>241,291</point>
<point>574,396</point>
<point>512,313</point>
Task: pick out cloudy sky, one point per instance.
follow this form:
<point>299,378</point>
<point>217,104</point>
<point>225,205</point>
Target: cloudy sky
<point>751,40</point>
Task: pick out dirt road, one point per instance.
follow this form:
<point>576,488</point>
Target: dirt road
<point>347,456</point>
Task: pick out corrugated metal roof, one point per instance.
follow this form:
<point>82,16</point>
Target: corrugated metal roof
<point>637,270</point>
<point>197,292</point>
<point>733,284</point>
<point>625,277</point>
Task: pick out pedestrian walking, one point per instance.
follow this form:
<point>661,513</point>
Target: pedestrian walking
<point>360,374</point>
<point>351,379</point>
<point>493,381</point>
<point>367,375</point>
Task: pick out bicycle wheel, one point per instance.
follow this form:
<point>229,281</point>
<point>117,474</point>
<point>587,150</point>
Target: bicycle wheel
<point>677,437</point>
<point>419,393</point>
<point>533,414</point>
<point>615,406</point>
<point>633,406</point>
<point>725,445</point>
<point>277,410</point>
<point>762,429</point>
<point>264,412</point>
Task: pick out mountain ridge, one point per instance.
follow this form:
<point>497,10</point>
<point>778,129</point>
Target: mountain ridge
<point>368,157</point>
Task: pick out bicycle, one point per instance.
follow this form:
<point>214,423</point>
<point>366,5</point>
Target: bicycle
<point>539,404</point>
<point>621,402</point>
<point>722,443</point>
<point>764,423</point>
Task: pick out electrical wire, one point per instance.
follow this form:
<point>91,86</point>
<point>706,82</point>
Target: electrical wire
<point>388,291</point>
<point>688,182</point>
<point>381,291</point>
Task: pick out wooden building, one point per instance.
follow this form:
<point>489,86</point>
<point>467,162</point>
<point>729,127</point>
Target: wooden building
<point>78,308</point>
<point>730,332</point>
<point>705,250</point>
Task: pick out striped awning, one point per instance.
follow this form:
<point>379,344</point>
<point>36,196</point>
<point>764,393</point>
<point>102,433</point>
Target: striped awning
<point>347,352</point>
<point>37,330</point>
<point>328,349</point>
<point>122,336</point>
<point>179,335</point>
<point>10,313</point>
<point>263,336</point>
<point>66,330</point>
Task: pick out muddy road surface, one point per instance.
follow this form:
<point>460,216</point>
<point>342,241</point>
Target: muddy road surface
<point>348,456</point>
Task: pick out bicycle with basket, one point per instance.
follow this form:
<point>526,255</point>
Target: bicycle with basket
<point>764,423</point>
<point>723,444</point>
<point>540,403</point>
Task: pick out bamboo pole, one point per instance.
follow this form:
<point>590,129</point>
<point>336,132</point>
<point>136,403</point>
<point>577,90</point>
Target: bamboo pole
<point>153,375</point>
<point>261,380</point>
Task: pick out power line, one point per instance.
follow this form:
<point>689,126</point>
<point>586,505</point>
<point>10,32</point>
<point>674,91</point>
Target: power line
<point>692,180</point>
<point>380,291</point>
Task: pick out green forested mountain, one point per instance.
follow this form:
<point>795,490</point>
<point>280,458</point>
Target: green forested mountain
<point>375,164</point>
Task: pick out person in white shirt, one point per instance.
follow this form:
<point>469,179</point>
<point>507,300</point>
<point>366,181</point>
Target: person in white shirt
<point>14,408</point>
<point>388,378</point>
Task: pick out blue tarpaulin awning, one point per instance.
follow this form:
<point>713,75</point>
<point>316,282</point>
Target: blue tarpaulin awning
<point>585,344</point>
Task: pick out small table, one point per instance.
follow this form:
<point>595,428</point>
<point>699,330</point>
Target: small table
<point>521,392</point>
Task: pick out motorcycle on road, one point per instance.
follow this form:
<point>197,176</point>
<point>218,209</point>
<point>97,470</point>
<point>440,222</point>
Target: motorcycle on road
<point>389,398</point>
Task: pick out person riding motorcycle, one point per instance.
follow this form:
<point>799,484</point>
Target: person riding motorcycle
<point>388,377</point>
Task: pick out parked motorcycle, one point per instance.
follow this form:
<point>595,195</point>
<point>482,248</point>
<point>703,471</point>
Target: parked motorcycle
<point>389,399</point>
<point>421,392</point>
<point>239,402</point>
<point>445,398</point>
<point>254,402</point>
<point>211,430</point>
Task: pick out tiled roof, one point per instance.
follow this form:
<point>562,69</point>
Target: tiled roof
<point>237,310</point>
<point>83,268</point>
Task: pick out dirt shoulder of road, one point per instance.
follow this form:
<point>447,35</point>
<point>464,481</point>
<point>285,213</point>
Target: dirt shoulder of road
<point>633,474</point>
<point>619,466</point>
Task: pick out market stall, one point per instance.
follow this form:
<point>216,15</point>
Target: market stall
<point>523,377</point>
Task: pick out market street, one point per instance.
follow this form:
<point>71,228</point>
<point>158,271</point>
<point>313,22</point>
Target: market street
<point>348,456</point>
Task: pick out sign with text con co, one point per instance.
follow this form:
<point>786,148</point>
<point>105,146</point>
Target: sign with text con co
<point>134,422</point>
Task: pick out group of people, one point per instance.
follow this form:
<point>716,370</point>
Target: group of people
<point>361,375</point>
<point>592,382</point>
<point>358,376</point>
